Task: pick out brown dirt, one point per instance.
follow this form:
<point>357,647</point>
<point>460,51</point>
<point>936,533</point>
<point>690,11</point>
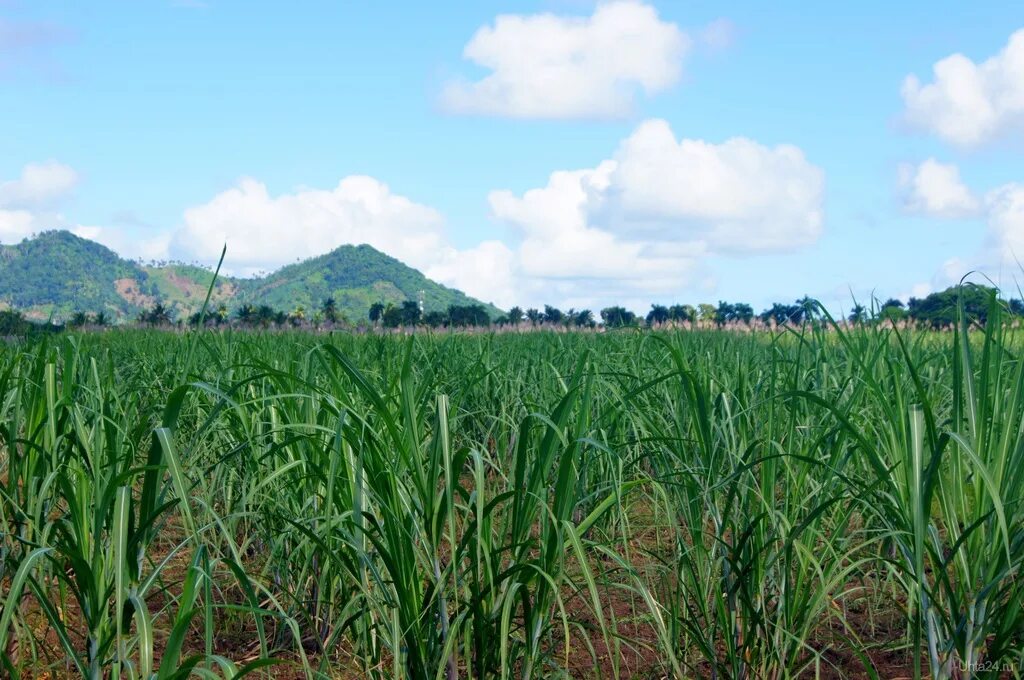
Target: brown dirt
<point>128,289</point>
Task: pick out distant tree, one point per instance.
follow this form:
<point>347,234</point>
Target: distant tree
<point>410,313</point>
<point>377,310</point>
<point>1016,306</point>
<point>515,316</point>
<point>858,314</point>
<point>392,317</point>
<point>329,310</point>
<point>682,313</point>
<point>78,319</point>
<point>782,314</point>
<point>892,310</point>
<point>534,316</point>
<point>584,318</point>
<point>808,308</point>
<point>724,313</point>
<point>246,315</point>
<point>13,323</point>
<point>101,319</point>
<point>297,316</point>
<point>659,314</point>
<point>266,316</point>
<point>157,315</point>
<point>552,314</point>
<point>743,312</point>
<point>942,308</point>
<point>468,315</point>
<point>435,319</point>
<point>706,312</point>
<point>617,317</point>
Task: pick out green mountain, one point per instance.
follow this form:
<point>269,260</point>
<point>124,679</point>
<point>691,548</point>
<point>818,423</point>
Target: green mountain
<point>356,277</point>
<point>56,274</point>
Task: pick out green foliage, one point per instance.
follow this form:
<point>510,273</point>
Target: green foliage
<point>617,317</point>
<point>64,274</point>
<point>13,323</point>
<point>941,308</point>
<point>356,277</point>
<point>59,273</point>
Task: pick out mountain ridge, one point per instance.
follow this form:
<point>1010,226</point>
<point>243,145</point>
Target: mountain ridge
<point>57,273</point>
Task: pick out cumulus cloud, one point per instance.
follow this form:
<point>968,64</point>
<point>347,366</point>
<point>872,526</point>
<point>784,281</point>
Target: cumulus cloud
<point>738,196</point>
<point>934,189</point>
<point>967,103</point>
<point>640,224</point>
<point>1005,206</point>
<point>548,66</point>
<point>27,203</point>
<point>16,225</point>
<point>264,231</point>
<point>40,184</point>
<point>1001,255</point>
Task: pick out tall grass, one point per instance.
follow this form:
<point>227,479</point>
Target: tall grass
<point>820,502</point>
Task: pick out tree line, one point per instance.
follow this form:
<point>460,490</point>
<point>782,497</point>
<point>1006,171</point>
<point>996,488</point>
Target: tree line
<point>936,310</point>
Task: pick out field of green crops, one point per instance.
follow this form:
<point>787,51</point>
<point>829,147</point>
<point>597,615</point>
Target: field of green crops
<point>824,502</point>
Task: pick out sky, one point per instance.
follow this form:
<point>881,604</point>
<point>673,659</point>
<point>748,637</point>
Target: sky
<point>567,152</point>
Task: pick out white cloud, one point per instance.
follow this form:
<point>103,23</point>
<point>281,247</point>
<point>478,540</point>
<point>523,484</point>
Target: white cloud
<point>935,189</point>
<point>40,184</point>
<point>548,66</point>
<point>1005,206</point>
<point>967,103</point>
<point>486,271</point>
<point>738,196</point>
<point>639,225</point>
<point>26,202</point>
<point>16,225</point>
<point>1001,256</point>
<point>128,243</point>
<point>264,231</point>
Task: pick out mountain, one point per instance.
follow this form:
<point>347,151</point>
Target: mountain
<point>57,273</point>
<point>356,277</point>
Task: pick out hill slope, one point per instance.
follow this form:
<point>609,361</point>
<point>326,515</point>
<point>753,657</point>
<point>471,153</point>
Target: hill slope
<point>356,277</point>
<point>57,273</point>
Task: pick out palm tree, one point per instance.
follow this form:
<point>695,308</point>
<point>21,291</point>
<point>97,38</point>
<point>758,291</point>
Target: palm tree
<point>659,314</point>
<point>330,310</point>
<point>808,308</point>
<point>246,314</point>
<point>584,319</point>
<point>159,315</point>
<point>552,314</point>
<point>377,311</point>
<point>515,316</point>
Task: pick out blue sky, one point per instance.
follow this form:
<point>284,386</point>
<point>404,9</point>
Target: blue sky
<point>528,152</point>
